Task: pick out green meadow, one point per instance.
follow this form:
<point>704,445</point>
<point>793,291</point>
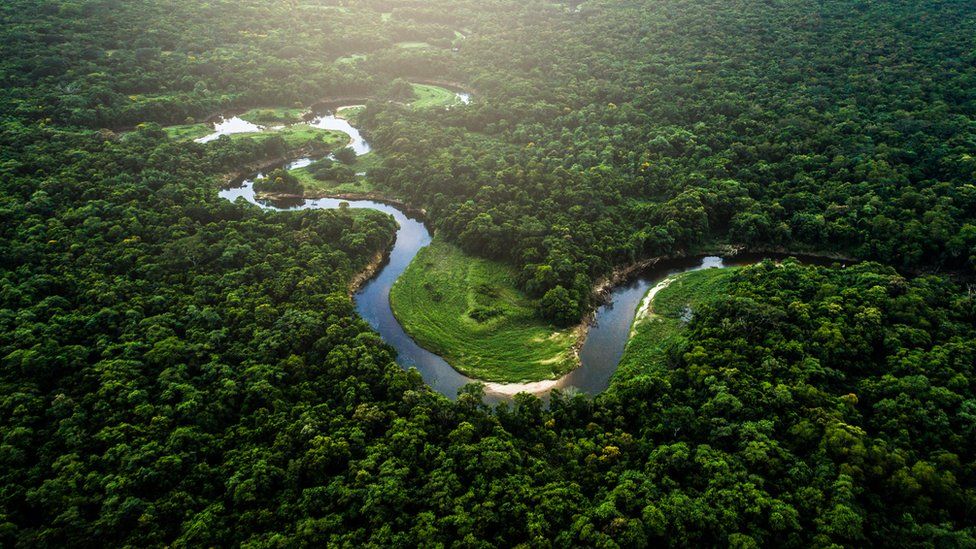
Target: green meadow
<point>187,131</point>
<point>469,311</point>
<point>359,184</point>
<point>432,96</point>
<point>273,116</point>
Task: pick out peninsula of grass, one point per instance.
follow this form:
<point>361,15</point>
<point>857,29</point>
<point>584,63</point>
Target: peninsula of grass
<point>358,184</point>
<point>660,326</point>
<point>301,135</point>
<point>469,311</point>
<point>185,132</point>
<point>274,116</point>
<point>319,187</point>
<point>432,96</point>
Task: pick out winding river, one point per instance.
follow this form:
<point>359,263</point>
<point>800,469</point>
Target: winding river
<point>599,355</point>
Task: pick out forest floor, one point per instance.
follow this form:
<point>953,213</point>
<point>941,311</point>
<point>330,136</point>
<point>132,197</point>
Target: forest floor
<point>469,311</point>
<point>659,324</point>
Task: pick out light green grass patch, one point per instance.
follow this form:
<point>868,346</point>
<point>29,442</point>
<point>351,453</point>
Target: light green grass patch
<point>186,132</point>
<point>273,116</point>
<point>300,135</point>
<point>691,289</point>
<point>352,58</point>
<point>669,313</point>
<point>428,96</point>
<point>386,16</point>
<point>408,45</point>
<point>357,185</point>
<point>469,311</point>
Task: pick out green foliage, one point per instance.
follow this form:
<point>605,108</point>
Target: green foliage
<point>559,306</point>
<point>279,181</point>
<point>299,136</point>
<point>426,96</point>
<point>345,155</point>
<point>177,370</point>
<point>275,116</point>
<point>187,132</point>
<point>400,90</point>
<point>658,329</point>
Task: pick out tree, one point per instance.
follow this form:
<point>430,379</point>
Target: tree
<point>559,306</point>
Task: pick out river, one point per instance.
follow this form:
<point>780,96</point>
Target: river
<point>599,355</point>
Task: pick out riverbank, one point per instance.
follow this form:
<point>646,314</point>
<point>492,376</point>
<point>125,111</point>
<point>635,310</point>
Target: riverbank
<point>663,315</point>
<point>371,269</point>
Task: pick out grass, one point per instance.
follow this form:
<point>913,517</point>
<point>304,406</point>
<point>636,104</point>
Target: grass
<point>689,290</point>
<point>432,96</point>
<point>352,58</point>
<point>408,45</point>
<point>300,135</point>
<point>316,187</point>
<point>671,309</point>
<point>186,132</point>
<point>469,311</point>
<point>367,162</point>
<point>360,185</point>
<point>273,116</point>
<point>386,16</point>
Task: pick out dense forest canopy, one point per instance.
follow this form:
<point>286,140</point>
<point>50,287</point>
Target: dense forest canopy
<point>176,369</point>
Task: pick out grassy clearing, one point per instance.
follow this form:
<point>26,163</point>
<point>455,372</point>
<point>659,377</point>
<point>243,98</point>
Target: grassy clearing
<point>186,132</point>
<point>670,311</point>
<point>357,185</point>
<point>408,45</point>
<point>273,116</point>
<point>688,290</point>
<point>386,16</point>
<point>300,135</point>
<point>469,311</point>
<point>351,58</point>
<point>316,187</point>
<point>432,96</point>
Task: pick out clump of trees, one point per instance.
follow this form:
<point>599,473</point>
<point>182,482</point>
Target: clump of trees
<point>279,181</point>
<point>345,155</point>
<point>329,170</point>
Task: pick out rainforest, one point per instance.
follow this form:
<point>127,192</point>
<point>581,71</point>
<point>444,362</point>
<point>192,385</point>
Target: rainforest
<point>610,273</point>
